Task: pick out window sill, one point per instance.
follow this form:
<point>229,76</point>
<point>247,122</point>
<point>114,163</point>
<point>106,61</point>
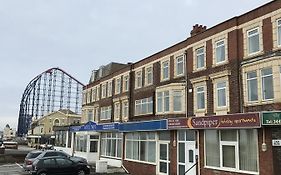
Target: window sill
<point>231,170</point>
<point>163,80</point>
<point>138,161</point>
<point>255,54</point>
<point>136,115</point>
<point>256,103</point>
<point>220,63</point>
<point>110,157</point>
<point>199,69</point>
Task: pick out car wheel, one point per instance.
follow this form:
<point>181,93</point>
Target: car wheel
<point>81,172</point>
<point>43,173</point>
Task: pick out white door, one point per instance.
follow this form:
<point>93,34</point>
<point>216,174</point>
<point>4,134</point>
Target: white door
<point>186,153</point>
<point>163,158</point>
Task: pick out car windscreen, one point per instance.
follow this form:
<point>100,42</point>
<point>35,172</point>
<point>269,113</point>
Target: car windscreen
<point>33,155</point>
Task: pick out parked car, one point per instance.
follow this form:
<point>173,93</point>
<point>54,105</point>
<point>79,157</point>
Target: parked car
<point>29,159</point>
<point>59,166</point>
<point>37,154</point>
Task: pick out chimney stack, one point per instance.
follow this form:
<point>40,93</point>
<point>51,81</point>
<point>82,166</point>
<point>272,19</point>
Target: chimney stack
<point>197,29</point>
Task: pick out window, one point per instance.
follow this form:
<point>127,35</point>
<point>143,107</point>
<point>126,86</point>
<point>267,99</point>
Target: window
<point>126,83</point>
<point>117,111</point>
<point>163,101</point>
<point>94,94</point>
<point>220,51</point>
<point>200,58</point>
<point>103,91</point>
<point>267,84</point>
<point>149,76</point>
<point>90,115</point>
<point>200,92</point>
<point>94,140</point>
<point>125,110</point>
<point>81,143</point>
<point>165,70</point>
<point>179,65</point>
<point>138,79</point>
<point>111,145</point>
<point>105,113</point>
<point>141,146</point>
<point>253,41</point>
<point>118,86</point>
<point>223,148</point>
<point>96,115</point>
<point>98,93</point>
<point>109,89</point>
<point>144,106</point>
<point>177,102</point>
<point>279,32</point>
<point>252,86</point>
<point>221,94</point>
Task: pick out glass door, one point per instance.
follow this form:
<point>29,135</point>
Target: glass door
<point>164,160</point>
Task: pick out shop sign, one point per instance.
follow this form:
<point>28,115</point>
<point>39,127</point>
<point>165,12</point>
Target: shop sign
<point>276,142</point>
<point>89,126</point>
<point>271,118</point>
<point>144,126</point>
<point>250,120</point>
<point>107,126</point>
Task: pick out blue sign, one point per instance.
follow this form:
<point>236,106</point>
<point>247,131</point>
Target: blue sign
<point>89,126</point>
<point>143,126</point>
<point>107,127</point>
<point>74,128</point>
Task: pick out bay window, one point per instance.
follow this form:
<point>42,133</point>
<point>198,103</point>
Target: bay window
<point>221,94</point>
<point>252,86</point>
<point>200,92</point>
<point>267,84</point>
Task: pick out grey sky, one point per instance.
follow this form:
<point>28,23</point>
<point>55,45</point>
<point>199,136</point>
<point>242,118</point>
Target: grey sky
<point>81,35</point>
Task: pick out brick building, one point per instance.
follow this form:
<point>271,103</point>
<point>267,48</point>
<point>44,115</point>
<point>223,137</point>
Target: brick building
<point>197,105</point>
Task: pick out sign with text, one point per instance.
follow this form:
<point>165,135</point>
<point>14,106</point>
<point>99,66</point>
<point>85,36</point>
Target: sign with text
<point>250,120</point>
<point>271,118</point>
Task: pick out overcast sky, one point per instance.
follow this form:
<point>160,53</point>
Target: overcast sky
<point>80,35</point>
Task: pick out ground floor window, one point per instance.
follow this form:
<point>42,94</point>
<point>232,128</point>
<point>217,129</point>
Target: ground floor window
<point>141,146</point>
<point>60,138</point>
<point>235,150</point>
<point>111,144</point>
<point>94,142</point>
<point>81,143</point>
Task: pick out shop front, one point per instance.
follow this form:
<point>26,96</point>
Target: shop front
<point>226,144</point>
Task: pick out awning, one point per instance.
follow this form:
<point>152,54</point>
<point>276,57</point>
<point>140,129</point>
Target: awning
<point>153,125</point>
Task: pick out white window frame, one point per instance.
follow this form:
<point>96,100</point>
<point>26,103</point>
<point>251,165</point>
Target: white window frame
<point>197,95</point>
<point>229,143</point>
<point>117,111</point>
<point>165,64</point>
<point>118,85</point>
<point>262,83</point>
<point>96,113</point>
<point>277,32</point>
<point>105,113</point>
<point>177,62</point>
<point>109,138</point>
<point>145,102</point>
<point>103,90</point>
<point>138,79</point>
<point>217,93</point>
<point>252,35</point>
<point>109,89</point>
<point>247,86</point>
<point>199,55</point>
<point>125,83</point>
<point>217,46</point>
<point>125,110</point>
<point>149,73</point>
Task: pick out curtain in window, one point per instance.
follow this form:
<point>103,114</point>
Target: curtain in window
<point>248,150</point>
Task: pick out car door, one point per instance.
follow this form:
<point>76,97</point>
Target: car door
<point>65,166</point>
<point>50,166</point>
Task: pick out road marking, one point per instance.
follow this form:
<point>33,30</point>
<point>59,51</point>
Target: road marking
<point>19,165</point>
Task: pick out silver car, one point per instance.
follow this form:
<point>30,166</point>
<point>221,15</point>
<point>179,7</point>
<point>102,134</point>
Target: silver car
<point>29,159</point>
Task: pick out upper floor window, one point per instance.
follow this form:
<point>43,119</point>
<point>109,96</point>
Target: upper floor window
<point>200,58</point>
<point>177,100</point>
<point>118,86</point>
<point>220,51</point>
<point>138,79</point>
<point>144,106</point>
<point>267,84</point>
<point>109,89</point>
<point>94,94</point>
<point>180,65</point>
<point>221,94</point>
<point>90,115</point>
<point>105,113</point>
<point>125,110</point>
<point>165,70</point>
<point>98,93</point>
<point>163,100</point>
<point>200,92</point>
<point>279,32</point>
<point>252,86</point>
<point>148,75</point>
<point>125,83</point>
<point>103,91</point>
<point>116,111</point>
<point>96,113</point>
<point>253,41</point>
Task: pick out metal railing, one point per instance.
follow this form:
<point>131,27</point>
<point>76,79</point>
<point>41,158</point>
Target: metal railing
<point>190,168</point>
